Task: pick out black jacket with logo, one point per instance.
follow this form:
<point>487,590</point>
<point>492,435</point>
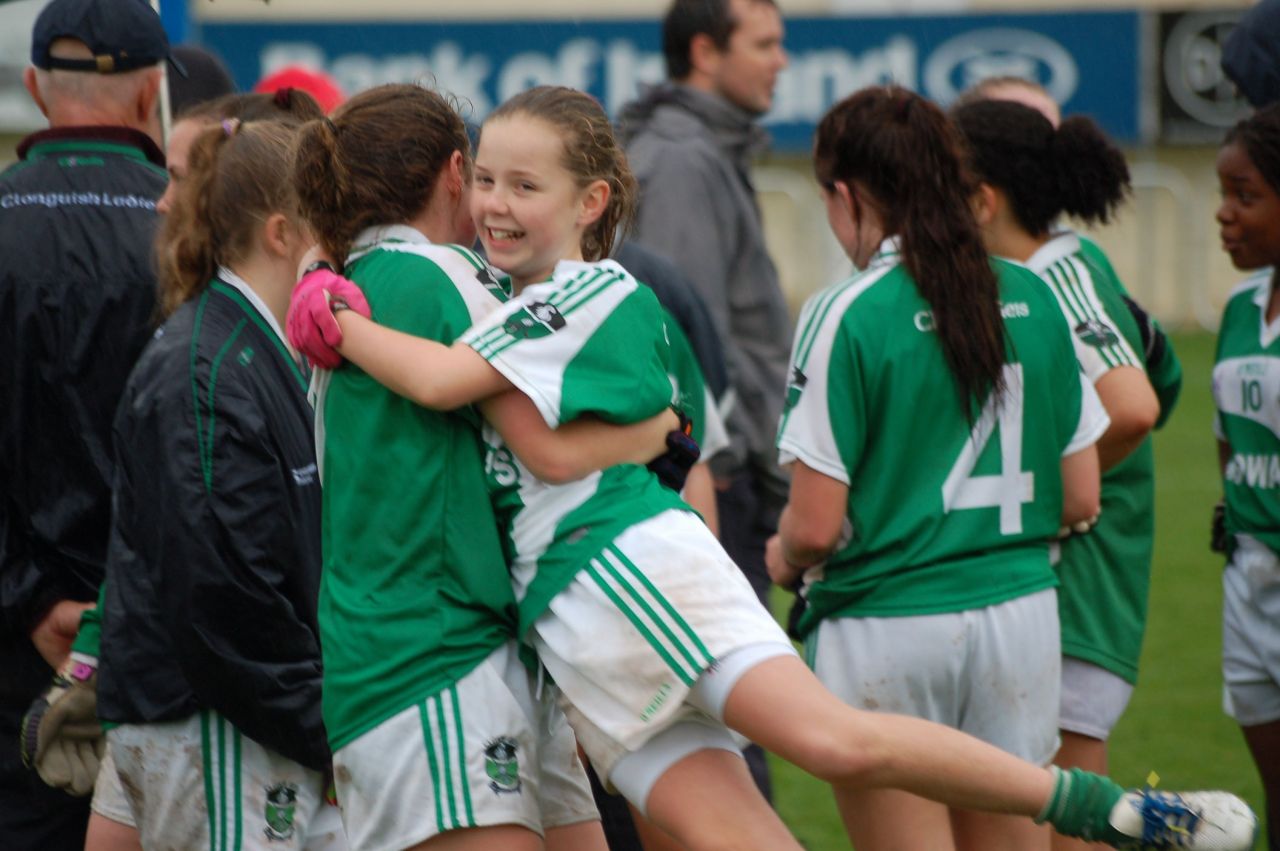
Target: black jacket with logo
<point>213,567</point>
<point>77,302</point>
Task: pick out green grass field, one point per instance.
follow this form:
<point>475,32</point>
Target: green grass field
<point>1174,725</point>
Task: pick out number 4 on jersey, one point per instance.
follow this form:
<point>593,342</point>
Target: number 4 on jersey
<point>1012,488</point>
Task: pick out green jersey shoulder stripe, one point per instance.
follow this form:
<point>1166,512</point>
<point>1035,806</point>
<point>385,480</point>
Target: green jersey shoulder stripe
<point>566,300</point>
<point>823,308</point>
<point>820,307</point>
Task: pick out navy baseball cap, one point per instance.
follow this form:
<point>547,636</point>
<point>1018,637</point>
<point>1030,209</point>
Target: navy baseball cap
<point>122,34</point>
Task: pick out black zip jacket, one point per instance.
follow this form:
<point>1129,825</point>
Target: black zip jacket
<point>213,567</point>
<point>77,301</point>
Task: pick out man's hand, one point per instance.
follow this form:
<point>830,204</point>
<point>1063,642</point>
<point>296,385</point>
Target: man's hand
<point>310,324</point>
<point>53,635</point>
<point>60,736</point>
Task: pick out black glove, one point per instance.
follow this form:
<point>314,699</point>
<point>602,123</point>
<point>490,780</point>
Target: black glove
<point>672,467</point>
<point>1218,529</point>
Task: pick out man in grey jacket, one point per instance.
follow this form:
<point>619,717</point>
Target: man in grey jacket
<point>690,142</point>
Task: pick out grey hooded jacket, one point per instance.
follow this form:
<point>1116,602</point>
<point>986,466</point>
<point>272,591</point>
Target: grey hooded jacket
<point>692,152</point>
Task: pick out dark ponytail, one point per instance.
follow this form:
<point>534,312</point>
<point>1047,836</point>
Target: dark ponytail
<point>1043,171</point>
<point>901,149</point>
<point>376,161</point>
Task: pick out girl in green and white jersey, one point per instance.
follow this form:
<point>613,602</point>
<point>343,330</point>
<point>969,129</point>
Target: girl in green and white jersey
<point>433,720</point>
<point>1246,390</point>
<point>936,414</point>
<point>1030,177</point>
<point>651,633</point>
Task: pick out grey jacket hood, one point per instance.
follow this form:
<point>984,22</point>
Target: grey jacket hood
<point>678,111</point>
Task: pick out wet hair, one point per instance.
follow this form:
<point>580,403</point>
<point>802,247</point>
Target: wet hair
<point>591,152</point>
<point>688,18</point>
<point>238,175</point>
<point>1044,172</point>
<point>1259,135</point>
<point>901,150</point>
<point>376,160</point>
<point>292,106</point>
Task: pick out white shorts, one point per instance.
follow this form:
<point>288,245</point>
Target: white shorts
<point>1250,637</point>
<point>1093,699</point>
<point>993,672</point>
<point>484,751</point>
<point>198,783</point>
<point>637,627</point>
<point>109,800</point>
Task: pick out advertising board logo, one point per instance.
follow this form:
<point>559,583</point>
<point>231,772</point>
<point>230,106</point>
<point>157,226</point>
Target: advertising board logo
<point>1000,52</point>
<point>1192,68</point>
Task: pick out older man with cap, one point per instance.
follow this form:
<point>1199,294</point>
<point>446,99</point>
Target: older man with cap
<point>77,216</point>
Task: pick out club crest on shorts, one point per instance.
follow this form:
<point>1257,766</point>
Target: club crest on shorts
<point>1096,333</point>
<point>536,320</point>
<point>502,765</point>
<point>282,803</point>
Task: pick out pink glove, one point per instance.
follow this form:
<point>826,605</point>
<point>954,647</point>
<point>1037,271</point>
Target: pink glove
<point>311,326</point>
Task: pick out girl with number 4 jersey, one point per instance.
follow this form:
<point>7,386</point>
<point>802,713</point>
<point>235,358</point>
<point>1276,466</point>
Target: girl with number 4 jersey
<point>935,409</point>
<point>1246,391</point>
<point>651,633</point>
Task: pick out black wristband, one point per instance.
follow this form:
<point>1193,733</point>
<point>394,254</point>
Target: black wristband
<point>317,266</point>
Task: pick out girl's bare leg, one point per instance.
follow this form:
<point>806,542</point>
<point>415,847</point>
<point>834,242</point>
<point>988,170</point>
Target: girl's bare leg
<point>1090,754</point>
<point>889,820</point>
<point>505,836</point>
<point>782,706</point>
<point>975,831</point>
<point>105,834</point>
<point>708,801</point>
<point>583,836</point>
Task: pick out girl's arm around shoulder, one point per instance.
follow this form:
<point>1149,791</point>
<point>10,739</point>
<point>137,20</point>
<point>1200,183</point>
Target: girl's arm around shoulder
<point>575,449</point>
<point>431,374</point>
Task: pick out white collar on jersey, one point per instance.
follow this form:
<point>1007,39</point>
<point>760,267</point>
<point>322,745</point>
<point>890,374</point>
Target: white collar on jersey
<point>233,280</point>
<point>1267,334</point>
<point>371,236</point>
<point>1061,244</point>
<point>569,268</point>
<point>890,251</point>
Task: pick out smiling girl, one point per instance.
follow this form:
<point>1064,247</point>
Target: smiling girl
<point>1246,390</point>
<point>650,631</point>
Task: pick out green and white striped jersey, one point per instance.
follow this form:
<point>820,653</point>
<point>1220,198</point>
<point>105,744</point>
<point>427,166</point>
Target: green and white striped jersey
<point>950,509</point>
<point>1246,391</point>
<point>591,341</point>
<point>1106,574</point>
<point>415,591</point>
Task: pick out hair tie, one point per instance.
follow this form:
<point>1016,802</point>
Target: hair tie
<point>283,98</point>
<point>904,105</point>
<point>230,126</point>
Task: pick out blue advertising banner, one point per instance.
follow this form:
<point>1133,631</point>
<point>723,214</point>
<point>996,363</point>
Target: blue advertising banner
<point>1089,61</point>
